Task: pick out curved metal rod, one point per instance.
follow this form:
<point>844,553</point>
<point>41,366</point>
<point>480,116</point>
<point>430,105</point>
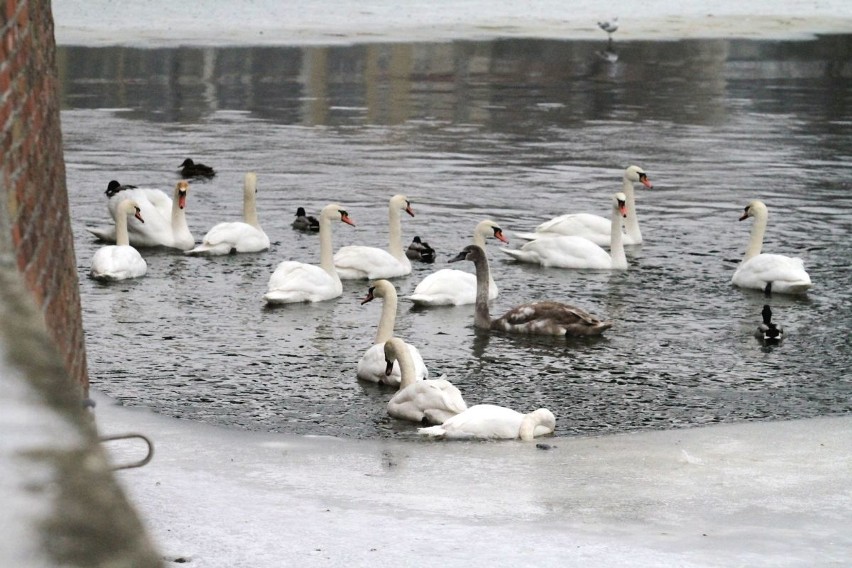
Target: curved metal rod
<point>139,463</point>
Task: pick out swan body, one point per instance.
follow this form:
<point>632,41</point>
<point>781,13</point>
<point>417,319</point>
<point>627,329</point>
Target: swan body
<point>768,331</point>
<point>419,250</point>
<point>189,169</point>
<point>431,400</point>
<point>768,272</point>
<point>239,236</point>
<point>360,262</point>
<point>491,422</point>
<point>451,287</point>
<point>305,222</point>
<point>120,261</point>
<point>578,252</point>
<point>594,227</point>
<point>294,282</point>
<point>536,318</point>
<point>165,219</point>
<point>372,367</point>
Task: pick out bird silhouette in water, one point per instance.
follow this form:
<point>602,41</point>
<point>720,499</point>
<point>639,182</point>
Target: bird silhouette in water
<point>190,169</point>
<point>768,331</point>
<point>305,222</point>
<point>609,26</point>
<point>420,250</point>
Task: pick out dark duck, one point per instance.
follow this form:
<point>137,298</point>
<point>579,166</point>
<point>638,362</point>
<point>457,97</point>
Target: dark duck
<point>190,169</point>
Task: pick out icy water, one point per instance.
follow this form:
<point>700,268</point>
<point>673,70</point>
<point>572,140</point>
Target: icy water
<point>517,131</point>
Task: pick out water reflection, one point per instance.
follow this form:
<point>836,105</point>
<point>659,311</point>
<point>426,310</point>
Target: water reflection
<point>459,82</point>
<point>514,130</point>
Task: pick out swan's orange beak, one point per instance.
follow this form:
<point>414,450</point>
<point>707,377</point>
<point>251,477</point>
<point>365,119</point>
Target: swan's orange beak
<point>345,218</point>
<point>622,208</point>
<point>409,210</point>
<point>182,199</point>
<point>138,215</point>
<point>498,234</point>
<point>388,367</point>
<point>744,216</point>
<point>645,181</point>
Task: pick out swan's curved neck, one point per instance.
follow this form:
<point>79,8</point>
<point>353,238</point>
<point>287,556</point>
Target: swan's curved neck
<point>395,229</point>
<point>250,204</point>
<point>632,221</point>
<point>388,318</point>
<point>407,372</point>
<point>479,240</point>
<point>616,244</point>
<point>527,429</point>
<point>482,317</point>
<point>326,247</point>
<point>178,214</point>
<point>122,239</point>
<point>755,242</point>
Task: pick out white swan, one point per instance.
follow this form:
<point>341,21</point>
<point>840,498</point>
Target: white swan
<point>358,262</point>
<point>451,287</point>
<point>768,272</point>
<point>594,227</point>
<point>431,400</point>
<point>537,318</point>
<point>579,252</point>
<point>120,261</point>
<point>238,236</point>
<point>371,367</point>
<point>300,282</point>
<point>491,422</point>
<point>165,219</point>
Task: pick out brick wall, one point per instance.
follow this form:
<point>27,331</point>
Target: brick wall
<point>36,225</point>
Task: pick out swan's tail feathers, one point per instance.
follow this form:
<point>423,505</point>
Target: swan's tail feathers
<point>517,254</point>
<point>432,431</point>
<point>284,297</point>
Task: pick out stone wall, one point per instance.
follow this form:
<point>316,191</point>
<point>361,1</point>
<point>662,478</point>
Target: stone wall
<point>35,227</point>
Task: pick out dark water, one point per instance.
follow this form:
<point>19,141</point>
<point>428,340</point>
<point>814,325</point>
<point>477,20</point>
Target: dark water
<point>518,131</point>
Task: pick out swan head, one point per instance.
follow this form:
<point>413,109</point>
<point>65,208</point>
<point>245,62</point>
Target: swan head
<point>130,207</point>
<point>403,203</point>
<point>182,188</point>
<point>470,252</point>
<point>379,289</point>
<point>619,202</point>
<point>250,183</point>
<point>753,209</point>
<point>637,174</point>
<point>489,228</point>
<point>537,423</point>
<point>393,347</point>
<point>336,211</point>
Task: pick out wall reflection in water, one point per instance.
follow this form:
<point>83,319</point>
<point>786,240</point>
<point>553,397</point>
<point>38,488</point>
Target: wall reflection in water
<point>498,83</point>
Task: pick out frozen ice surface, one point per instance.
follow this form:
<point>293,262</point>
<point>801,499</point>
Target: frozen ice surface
<point>299,22</point>
<point>758,494</point>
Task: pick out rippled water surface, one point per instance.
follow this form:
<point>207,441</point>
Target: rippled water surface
<point>518,131</point>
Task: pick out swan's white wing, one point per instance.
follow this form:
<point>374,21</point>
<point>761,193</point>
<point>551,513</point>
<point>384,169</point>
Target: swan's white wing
<point>563,252</point>
<point>483,421</point>
<point>353,262</point>
<point>155,208</point>
<point>300,282</point>
<point>118,263</point>
<point>786,274</point>
<point>446,287</point>
<point>436,400</point>
<point>234,236</point>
